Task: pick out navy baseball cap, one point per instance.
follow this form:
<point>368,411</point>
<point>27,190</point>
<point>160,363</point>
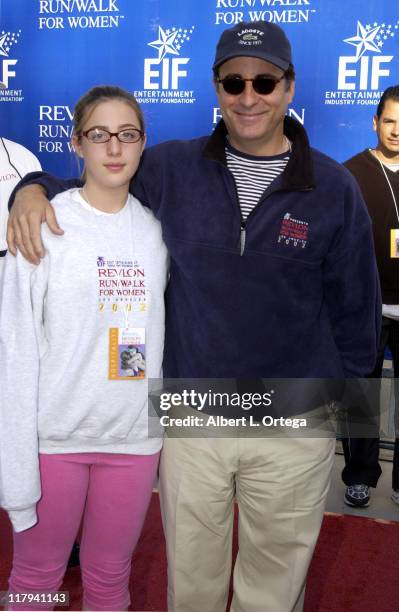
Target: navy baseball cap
<point>260,39</point>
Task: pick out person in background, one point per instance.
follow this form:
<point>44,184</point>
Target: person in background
<point>272,275</point>
<point>15,162</point>
<point>74,426</point>
<point>377,173</point>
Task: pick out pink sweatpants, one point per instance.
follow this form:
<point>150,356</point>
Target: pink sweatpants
<point>111,493</point>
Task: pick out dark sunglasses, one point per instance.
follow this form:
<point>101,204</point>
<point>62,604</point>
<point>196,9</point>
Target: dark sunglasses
<point>262,84</point>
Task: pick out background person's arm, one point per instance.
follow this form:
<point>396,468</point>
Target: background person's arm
<point>22,293</point>
<point>352,289</point>
<point>29,207</point>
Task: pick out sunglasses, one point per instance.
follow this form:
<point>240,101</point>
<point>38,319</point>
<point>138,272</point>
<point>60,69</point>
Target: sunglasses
<point>262,84</point>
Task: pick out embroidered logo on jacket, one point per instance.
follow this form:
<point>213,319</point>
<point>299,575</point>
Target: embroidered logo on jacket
<point>293,231</point>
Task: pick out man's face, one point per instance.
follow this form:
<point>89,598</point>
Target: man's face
<point>254,121</point>
<point>387,128</point>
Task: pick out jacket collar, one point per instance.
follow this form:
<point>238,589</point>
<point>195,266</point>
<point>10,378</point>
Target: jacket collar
<point>298,173</point>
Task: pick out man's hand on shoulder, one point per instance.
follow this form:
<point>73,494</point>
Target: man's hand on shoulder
<point>30,209</point>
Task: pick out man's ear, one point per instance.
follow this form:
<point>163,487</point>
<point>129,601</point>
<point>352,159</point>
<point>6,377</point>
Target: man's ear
<point>291,90</point>
<point>375,123</point>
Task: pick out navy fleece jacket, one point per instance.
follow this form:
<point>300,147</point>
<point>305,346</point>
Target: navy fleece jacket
<point>302,300</point>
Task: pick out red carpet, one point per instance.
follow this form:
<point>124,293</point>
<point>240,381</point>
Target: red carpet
<point>355,567</point>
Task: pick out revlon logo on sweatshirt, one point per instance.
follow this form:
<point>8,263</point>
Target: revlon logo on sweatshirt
<point>124,272</point>
<point>293,232</point>
<point>121,281</point>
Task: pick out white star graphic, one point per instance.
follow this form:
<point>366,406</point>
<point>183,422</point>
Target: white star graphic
<point>164,44</point>
<point>3,48</point>
<point>364,40</point>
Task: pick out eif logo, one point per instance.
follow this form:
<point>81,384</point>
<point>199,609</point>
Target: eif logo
<point>165,72</point>
<point>365,69</point>
<point>7,40</point>
<point>363,75</point>
<point>165,75</point>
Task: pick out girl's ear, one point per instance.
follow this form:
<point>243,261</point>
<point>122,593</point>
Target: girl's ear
<point>76,147</point>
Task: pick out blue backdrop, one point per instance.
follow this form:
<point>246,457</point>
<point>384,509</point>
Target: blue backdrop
<point>52,51</point>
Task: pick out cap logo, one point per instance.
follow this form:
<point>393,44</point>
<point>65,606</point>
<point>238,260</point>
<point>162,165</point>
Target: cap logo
<point>250,37</point>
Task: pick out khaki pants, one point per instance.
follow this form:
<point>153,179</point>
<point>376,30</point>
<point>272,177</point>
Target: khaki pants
<point>280,485</point>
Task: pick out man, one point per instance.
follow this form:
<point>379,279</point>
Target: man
<point>272,275</point>
<point>15,162</point>
<point>377,172</point>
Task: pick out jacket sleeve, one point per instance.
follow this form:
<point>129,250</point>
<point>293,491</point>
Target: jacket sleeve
<point>352,289</point>
<point>52,184</point>
<point>22,292</point>
<point>146,185</point>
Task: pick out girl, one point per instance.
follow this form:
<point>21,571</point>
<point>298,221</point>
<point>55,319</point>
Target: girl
<point>79,336</point>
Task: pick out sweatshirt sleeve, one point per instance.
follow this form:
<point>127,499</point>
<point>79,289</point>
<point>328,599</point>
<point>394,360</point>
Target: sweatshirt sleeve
<point>22,292</point>
<point>52,184</point>
<point>352,289</point>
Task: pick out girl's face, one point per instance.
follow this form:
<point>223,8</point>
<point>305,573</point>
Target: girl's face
<point>110,164</point>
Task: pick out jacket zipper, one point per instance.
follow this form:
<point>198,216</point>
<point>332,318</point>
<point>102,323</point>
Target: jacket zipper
<point>243,236</point>
<point>243,224</point>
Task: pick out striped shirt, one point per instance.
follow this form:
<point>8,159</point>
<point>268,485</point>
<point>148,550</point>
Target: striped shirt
<point>253,175</point>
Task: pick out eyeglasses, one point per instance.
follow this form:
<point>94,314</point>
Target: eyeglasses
<point>99,135</point>
<point>262,84</point>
